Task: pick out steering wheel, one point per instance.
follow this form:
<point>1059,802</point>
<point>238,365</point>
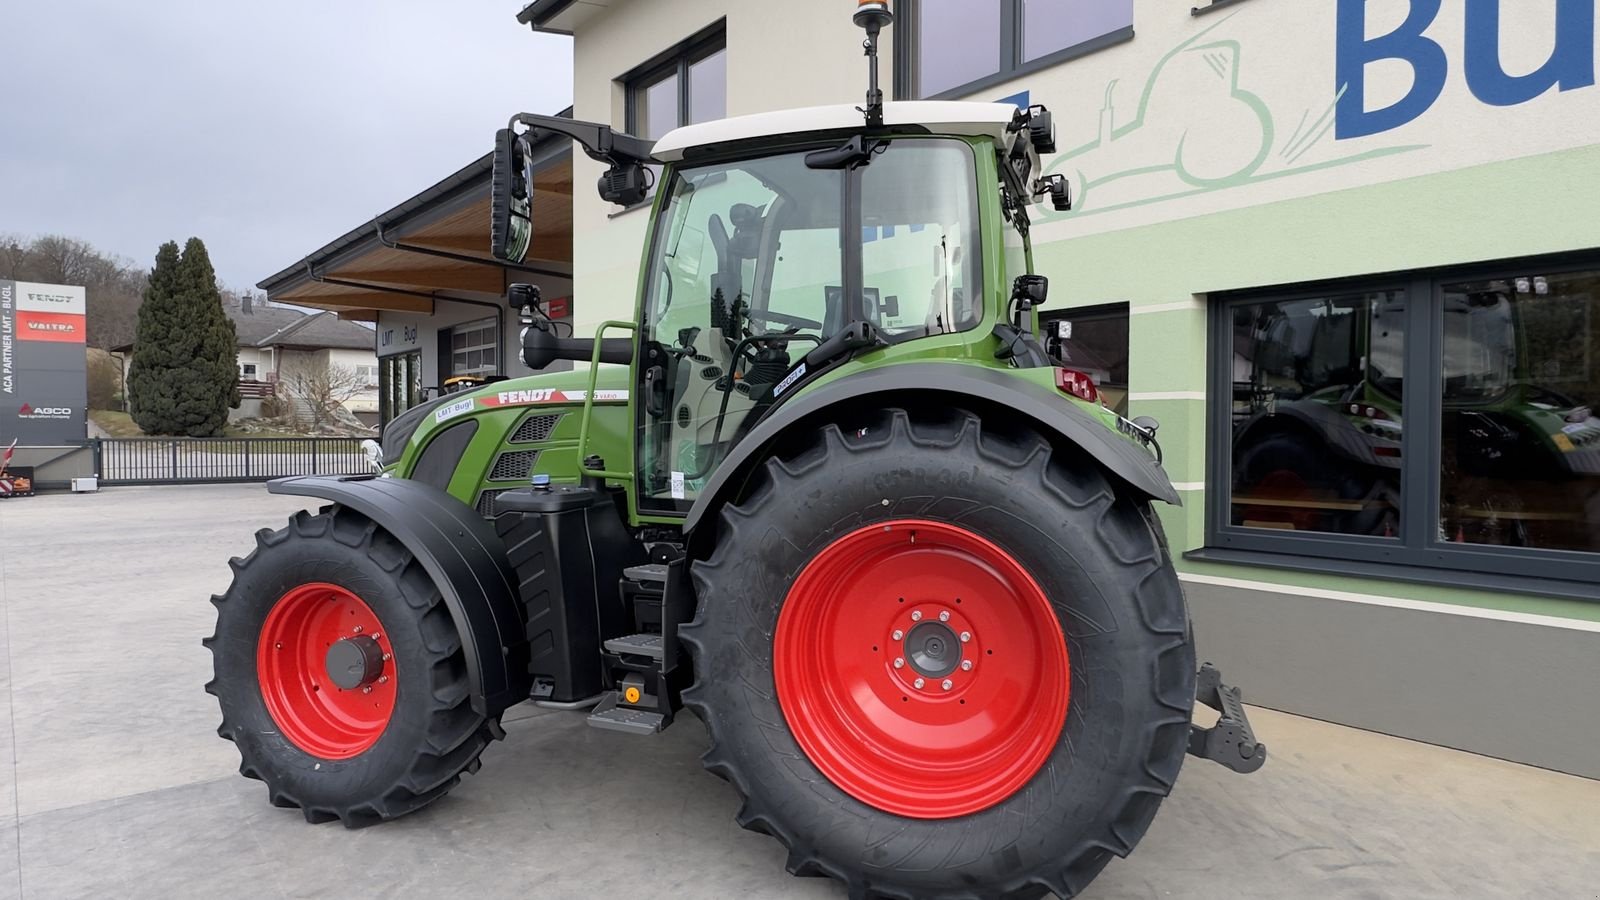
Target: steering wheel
<point>782,319</point>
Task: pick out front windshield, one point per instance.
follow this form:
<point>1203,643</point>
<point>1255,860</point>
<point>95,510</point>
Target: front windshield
<point>748,275</point>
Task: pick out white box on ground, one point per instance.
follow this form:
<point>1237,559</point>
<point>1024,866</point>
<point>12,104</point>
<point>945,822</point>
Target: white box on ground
<point>86,484</point>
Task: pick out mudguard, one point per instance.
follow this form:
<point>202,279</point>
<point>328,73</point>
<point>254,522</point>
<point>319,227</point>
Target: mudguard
<point>981,389</point>
<point>466,560</point>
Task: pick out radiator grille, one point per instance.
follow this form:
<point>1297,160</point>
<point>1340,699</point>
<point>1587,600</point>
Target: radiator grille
<point>536,428</point>
<point>513,465</point>
<point>486,499</point>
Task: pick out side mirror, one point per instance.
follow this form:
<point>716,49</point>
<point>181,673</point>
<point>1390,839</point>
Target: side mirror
<point>511,197</point>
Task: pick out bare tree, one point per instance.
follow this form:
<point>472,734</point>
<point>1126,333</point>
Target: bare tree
<point>319,388</point>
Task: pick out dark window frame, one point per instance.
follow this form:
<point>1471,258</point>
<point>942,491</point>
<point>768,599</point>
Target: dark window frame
<point>1012,65</point>
<point>1416,548</point>
<point>675,60</point>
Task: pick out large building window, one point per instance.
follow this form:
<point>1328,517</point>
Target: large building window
<point>959,46</point>
<point>399,384</point>
<point>1445,420</point>
<point>1093,340</point>
<point>686,85</point>
<point>475,348</point>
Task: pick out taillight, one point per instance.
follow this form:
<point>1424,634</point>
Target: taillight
<point>1078,384</point>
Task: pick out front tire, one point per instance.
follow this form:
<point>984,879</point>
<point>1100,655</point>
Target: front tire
<point>865,743</point>
<point>377,728</point>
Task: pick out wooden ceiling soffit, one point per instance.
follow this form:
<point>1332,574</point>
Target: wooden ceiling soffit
<point>482,279</point>
<point>376,301</point>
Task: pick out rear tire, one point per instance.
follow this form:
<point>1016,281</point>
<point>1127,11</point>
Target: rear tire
<point>1106,582</point>
<point>326,761</point>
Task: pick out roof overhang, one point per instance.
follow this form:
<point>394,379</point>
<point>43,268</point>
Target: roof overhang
<point>561,16</point>
<point>435,246</point>
<point>991,120</point>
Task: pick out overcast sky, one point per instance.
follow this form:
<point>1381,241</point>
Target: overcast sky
<point>265,128</point>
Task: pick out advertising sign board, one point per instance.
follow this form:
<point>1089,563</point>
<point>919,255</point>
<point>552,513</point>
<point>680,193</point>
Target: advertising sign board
<point>43,372</point>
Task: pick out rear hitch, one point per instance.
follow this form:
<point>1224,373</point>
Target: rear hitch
<point>1231,741</point>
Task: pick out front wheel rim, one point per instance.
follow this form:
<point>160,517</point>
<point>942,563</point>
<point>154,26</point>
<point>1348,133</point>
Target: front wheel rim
<point>921,669</point>
<point>309,705</point>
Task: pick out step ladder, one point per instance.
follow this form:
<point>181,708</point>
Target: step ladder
<point>644,668</point>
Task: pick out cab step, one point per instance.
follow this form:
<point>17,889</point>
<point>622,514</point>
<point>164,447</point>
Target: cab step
<point>637,645</point>
<point>611,715</point>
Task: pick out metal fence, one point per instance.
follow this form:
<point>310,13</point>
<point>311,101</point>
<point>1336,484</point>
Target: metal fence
<point>212,460</point>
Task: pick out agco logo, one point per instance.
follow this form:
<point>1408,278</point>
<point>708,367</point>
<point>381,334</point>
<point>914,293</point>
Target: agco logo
<point>29,411</point>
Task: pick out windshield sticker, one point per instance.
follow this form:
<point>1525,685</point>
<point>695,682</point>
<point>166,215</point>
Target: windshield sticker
<point>540,396</point>
<point>789,380</point>
<point>677,486</point>
<point>459,408</point>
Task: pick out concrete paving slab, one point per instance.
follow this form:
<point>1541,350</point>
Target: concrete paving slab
<point>105,606</point>
<point>124,789</point>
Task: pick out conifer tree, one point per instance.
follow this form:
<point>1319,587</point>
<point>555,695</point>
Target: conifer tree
<point>184,377</point>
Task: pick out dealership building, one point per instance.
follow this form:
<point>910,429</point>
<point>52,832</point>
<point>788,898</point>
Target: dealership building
<point>1346,253</point>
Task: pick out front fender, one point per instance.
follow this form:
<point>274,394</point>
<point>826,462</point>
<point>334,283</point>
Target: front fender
<point>981,389</point>
<point>467,562</point>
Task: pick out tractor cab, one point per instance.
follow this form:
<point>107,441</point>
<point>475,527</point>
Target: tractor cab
<point>786,244</point>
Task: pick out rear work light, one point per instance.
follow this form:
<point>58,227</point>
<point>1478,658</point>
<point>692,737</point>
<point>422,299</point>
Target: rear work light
<point>1078,384</point>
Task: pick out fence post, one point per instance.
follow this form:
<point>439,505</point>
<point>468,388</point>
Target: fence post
<point>314,457</point>
<point>174,444</point>
<point>247,442</point>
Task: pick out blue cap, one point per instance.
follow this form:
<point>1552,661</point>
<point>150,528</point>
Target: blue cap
<point>541,481</point>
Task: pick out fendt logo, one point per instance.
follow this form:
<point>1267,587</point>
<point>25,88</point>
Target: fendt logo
<point>29,411</point>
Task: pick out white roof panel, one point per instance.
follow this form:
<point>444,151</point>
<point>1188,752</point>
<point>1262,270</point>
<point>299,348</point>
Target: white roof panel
<point>938,116</point>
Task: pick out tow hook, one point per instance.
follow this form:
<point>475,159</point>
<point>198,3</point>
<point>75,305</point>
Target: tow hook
<point>1231,741</point>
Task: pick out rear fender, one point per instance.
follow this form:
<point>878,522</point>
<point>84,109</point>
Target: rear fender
<point>984,390</point>
<point>466,560</point>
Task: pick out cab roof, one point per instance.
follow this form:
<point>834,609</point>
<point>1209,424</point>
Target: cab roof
<point>991,120</point>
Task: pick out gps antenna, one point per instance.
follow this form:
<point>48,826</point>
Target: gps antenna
<point>873,16</point>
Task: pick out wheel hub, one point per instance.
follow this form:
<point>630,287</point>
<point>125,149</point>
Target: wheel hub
<point>921,669</point>
<point>353,662</point>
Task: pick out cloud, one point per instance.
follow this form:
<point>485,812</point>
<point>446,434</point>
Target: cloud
<point>266,129</point>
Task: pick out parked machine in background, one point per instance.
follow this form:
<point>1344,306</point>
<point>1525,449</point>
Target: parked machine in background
<point>830,494</point>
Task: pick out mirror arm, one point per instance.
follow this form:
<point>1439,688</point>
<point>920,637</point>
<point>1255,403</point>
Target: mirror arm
<point>600,142</point>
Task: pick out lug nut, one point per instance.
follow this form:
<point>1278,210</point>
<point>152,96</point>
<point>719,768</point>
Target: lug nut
<point>966,665</point>
<point>898,634</point>
<point>948,684</point>
<point>899,662</point>
<point>944,615</point>
<point>388,656</point>
<point>367,689</point>
<point>356,629</point>
<point>966,636</point>
<point>916,615</point>
<point>918,683</point>
<point>383,679</point>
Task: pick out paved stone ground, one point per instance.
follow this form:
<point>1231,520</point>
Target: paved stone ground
<point>114,784</point>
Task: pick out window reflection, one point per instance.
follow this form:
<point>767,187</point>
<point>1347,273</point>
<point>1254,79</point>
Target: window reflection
<point>1317,414</point>
<point>1520,443</point>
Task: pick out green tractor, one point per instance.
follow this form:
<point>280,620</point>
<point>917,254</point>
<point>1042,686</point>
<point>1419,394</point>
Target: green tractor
<point>831,495</point>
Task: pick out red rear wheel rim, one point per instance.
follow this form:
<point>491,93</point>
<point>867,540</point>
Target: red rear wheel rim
<point>959,614</point>
<point>310,709</point>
